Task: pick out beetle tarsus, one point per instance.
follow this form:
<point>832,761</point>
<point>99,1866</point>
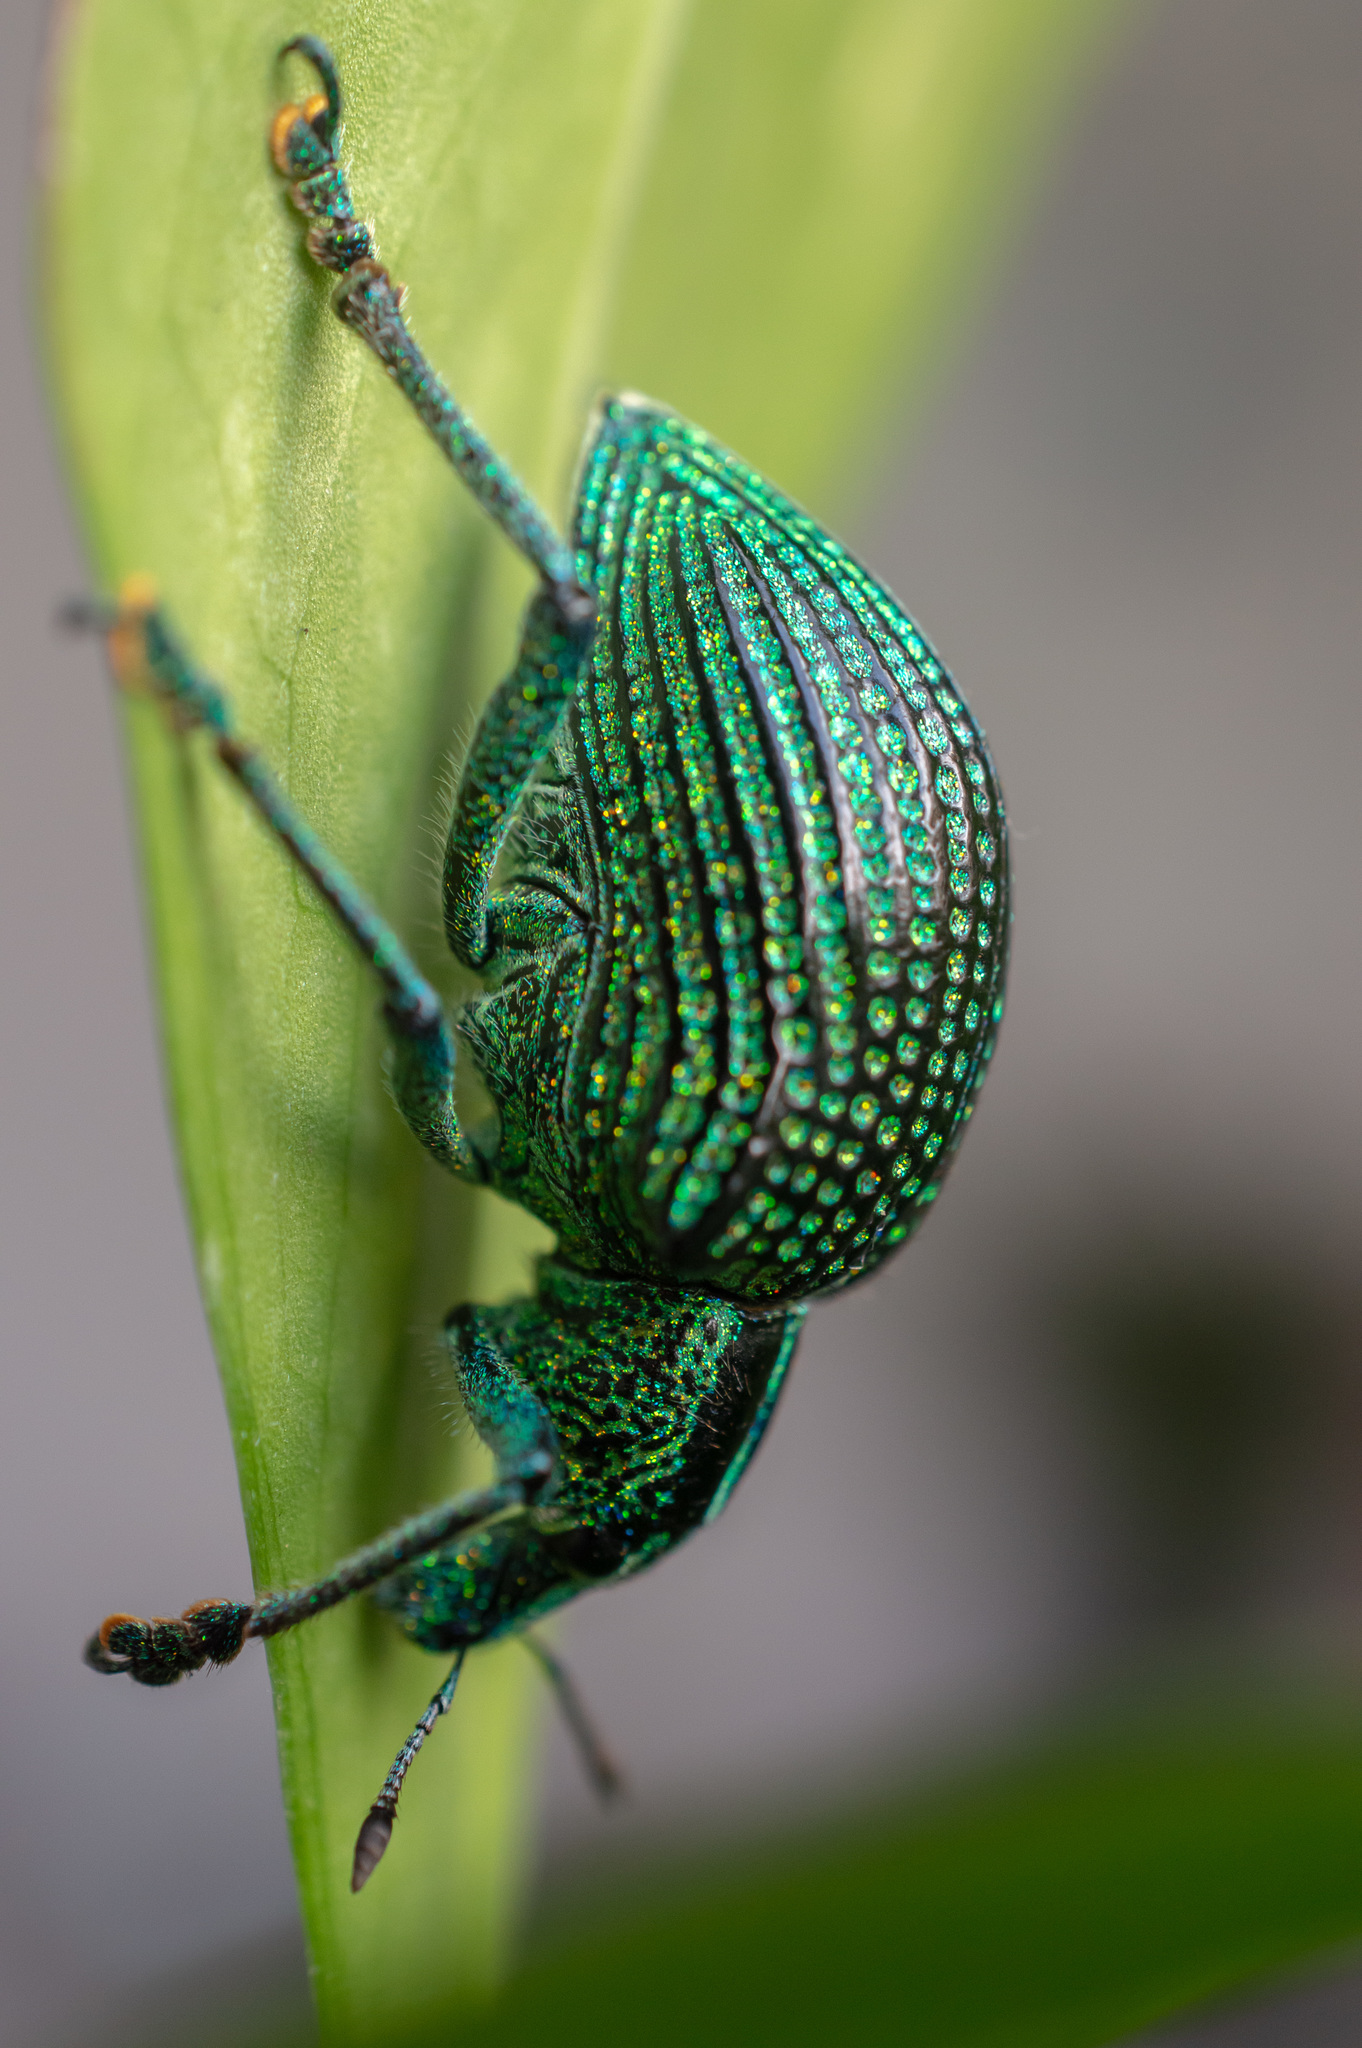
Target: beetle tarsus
<point>168,1647</point>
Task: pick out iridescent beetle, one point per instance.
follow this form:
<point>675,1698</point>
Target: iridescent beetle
<point>728,851</point>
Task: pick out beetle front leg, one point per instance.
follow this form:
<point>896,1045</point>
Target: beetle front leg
<point>511,1420</point>
<point>517,728</point>
<point>304,143</point>
<point>160,1651</point>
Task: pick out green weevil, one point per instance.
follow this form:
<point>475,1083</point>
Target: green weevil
<point>728,852</point>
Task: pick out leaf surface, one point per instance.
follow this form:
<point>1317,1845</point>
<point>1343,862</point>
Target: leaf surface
<point>1065,1902</point>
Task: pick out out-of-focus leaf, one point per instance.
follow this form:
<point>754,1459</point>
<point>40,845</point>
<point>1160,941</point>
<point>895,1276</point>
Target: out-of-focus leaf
<point>832,181</point>
<point>1064,1904</point>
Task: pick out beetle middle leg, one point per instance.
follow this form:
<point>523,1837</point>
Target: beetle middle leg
<point>145,654</point>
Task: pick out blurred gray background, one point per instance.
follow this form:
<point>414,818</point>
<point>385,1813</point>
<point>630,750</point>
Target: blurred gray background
<point>1106,1417</point>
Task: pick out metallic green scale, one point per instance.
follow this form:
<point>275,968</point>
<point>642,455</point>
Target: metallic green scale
<point>656,1400</point>
<point>765,1034</point>
<point>728,853</point>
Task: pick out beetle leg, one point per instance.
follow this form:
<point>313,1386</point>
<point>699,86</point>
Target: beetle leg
<point>508,1415</point>
<point>516,1488</point>
<point>518,726</point>
<point>303,142</point>
<point>145,653</point>
<point>160,1651</point>
<point>514,1425</point>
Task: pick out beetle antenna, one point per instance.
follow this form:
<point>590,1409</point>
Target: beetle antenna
<point>377,1831</point>
<point>607,1779</point>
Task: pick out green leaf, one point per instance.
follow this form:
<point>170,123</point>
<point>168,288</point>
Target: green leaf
<point>1065,1903</point>
<point>228,436</point>
<point>826,171</point>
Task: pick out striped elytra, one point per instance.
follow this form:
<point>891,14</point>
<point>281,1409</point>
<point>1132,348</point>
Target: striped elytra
<point>748,1059</point>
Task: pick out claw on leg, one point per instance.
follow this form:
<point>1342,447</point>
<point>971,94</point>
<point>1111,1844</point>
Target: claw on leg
<point>303,144</point>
